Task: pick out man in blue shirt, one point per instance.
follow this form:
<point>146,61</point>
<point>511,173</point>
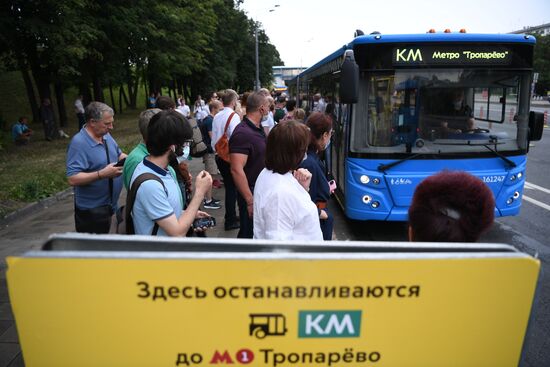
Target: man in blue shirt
<point>91,168</point>
<point>158,203</point>
<point>20,132</point>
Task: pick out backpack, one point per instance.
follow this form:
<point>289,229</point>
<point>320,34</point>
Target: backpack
<point>198,147</point>
<point>205,136</point>
<point>125,223</point>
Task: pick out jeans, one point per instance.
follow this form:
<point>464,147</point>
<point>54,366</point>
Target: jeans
<point>230,190</point>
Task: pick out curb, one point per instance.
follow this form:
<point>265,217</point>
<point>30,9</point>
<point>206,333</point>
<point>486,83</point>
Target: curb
<point>38,205</point>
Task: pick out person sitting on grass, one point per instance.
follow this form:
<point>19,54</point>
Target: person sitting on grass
<point>20,132</point>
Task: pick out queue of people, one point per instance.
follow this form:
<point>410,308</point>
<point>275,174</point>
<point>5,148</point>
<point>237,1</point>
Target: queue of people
<point>275,181</point>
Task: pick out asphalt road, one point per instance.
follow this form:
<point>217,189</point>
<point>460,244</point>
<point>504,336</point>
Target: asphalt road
<point>529,232</point>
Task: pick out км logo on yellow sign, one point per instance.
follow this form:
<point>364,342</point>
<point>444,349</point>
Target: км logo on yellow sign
<point>329,324</point>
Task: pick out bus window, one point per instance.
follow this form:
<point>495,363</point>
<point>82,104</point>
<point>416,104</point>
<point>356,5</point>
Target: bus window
<point>380,110</point>
<point>396,109</point>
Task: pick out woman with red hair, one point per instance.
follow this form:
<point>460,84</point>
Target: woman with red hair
<point>451,206</point>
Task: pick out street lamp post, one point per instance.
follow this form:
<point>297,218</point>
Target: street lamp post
<point>257,82</point>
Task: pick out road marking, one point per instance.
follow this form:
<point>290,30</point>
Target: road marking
<point>529,185</point>
<point>536,202</point>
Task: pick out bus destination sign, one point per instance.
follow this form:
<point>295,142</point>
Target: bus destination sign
<point>462,55</point>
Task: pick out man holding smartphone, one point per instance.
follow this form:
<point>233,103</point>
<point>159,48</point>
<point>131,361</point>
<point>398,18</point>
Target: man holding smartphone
<point>157,208</point>
<point>91,168</point>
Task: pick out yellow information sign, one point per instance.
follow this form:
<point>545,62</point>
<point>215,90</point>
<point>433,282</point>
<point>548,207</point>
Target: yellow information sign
<point>433,310</point>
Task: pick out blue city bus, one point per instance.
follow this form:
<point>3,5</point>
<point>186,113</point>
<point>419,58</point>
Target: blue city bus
<point>405,107</point>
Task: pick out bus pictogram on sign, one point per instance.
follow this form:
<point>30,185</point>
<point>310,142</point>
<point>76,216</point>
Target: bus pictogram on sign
<point>267,324</point>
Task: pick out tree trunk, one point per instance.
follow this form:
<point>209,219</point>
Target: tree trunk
<point>123,93</point>
<point>60,104</point>
<point>113,104</point>
<point>179,86</point>
<point>98,90</point>
<point>120,91</point>
<point>133,97</point>
<point>30,90</point>
<point>186,93</point>
<point>84,90</point>
<point>42,84</point>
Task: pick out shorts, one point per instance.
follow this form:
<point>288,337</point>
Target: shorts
<point>210,163</point>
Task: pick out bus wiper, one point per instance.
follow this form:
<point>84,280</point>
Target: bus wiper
<point>492,140</point>
<point>384,167</point>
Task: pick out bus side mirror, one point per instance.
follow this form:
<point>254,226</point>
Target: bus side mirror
<point>536,125</point>
<point>349,81</point>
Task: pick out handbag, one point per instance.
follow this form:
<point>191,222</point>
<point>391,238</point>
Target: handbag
<point>222,146</point>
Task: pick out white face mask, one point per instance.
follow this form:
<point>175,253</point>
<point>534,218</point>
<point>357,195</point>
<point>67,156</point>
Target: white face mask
<point>457,104</point>
<point>185,155</point>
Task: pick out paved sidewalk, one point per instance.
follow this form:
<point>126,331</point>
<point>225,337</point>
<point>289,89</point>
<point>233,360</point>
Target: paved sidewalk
<point>30,228</point>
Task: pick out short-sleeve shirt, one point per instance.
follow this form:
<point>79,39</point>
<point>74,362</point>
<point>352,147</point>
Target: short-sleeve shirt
<point>269,122</point>
<point>184,110</point>
<point>153,202</point>
<point>18,129</point>
<point>133,159</point>
<point>206,127</point>
<point>249,139</point>
<point>283,209</point>
<point>85,154</point>
<point>218,125</point>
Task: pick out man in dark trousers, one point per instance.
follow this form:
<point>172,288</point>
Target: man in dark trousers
<point>92,169</point>
<point>48,119</point>
<point>247,152</point>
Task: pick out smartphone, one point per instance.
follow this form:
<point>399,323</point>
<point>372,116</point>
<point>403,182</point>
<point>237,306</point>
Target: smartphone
<point>120,163</point>
<point>332,186</point>
<point>204,222</point>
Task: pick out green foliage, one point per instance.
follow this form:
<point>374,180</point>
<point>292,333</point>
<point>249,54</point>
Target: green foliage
<point>34,189</point>
<point>542,64</point>
<point>191,46</point>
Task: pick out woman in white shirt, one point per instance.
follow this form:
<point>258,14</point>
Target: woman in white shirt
<point>283,209</point>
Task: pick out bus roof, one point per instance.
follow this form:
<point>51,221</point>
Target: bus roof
<point>421,38</point>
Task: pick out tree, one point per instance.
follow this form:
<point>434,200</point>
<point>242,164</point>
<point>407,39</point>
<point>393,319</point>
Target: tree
<point>190,46</point>
<point>541,61</point>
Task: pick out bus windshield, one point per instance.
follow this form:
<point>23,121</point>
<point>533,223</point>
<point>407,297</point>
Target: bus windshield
<point>437,111</point>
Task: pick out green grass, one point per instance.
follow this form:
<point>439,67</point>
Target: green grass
<point>36,171</point>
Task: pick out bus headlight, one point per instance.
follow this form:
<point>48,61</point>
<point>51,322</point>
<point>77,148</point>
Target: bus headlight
<point>519,175</point>
<point>365,179</point>
<point>375,204</point>
<point>516,195</point>
<point>367,199</point>
<point>376,181</point>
